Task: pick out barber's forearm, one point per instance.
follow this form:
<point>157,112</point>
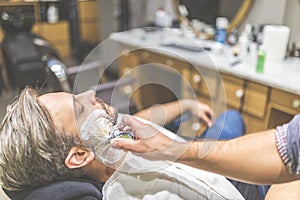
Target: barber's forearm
<point>253,158</point>
<point>284,191</point>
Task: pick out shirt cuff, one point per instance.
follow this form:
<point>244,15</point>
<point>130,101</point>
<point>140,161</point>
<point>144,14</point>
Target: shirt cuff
<point>281,144</point>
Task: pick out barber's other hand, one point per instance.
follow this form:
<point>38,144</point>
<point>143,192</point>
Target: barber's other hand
<point>149,142</point>
<point>198,109</point>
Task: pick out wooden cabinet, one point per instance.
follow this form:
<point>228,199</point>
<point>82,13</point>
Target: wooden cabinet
<point>195,80</point>
<point>205,83</point>
<point>166,78</point>
<point>161,78</point>
<point>234,92</point>
<point>88,12</point>
<point>282,107</point>
<point>57,34</point>
<point>255,106</point>
<point>250,98</point>
<point>256,99</point>
<point>128,61</point>
<point>261,106</point>
<point>291,102</point>
<point>1,34</point>
<point>209,84</point>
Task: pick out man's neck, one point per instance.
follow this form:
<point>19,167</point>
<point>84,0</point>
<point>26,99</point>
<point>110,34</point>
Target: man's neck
<point>98,171</point>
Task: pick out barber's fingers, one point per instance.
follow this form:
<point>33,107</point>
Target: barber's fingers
<point>127,145</point>
<point>139,129</point>
<point>207,115</point>
<point>208,119</point>
<point>207,109</point>
<point>132,122</point>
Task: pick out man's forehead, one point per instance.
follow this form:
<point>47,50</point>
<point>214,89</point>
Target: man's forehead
<point>55,95</point>
<point>56,101</point>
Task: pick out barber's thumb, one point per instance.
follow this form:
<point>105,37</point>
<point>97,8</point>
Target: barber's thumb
<point>122,143</point>
<point>132,122</point>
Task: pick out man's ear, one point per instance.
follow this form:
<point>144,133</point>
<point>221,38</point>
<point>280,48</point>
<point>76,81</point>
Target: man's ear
<point>78,157</point>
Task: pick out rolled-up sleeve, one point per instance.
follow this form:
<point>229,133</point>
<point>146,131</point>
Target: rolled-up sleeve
<point>287,142</point>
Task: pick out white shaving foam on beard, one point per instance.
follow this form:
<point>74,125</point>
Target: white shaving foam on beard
<point>94,133</point>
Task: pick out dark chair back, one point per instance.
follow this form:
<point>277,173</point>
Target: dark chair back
<point>22,60</point>
<point>61,190</point>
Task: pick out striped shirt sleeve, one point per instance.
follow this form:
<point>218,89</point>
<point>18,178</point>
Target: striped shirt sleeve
<point>287,142</point>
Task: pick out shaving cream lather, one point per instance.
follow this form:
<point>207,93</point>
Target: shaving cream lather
<point>96,133</point>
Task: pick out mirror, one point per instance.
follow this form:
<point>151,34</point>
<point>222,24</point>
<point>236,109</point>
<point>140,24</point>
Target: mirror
<point>208,10</point>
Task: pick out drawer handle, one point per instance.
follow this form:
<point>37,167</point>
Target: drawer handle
<point>197,78</point>
<point>127,89</point>
<point>196,126</point>
<point>296,103</point>
<point>239,93</point>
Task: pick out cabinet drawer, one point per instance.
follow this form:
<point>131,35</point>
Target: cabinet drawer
<point>36,28</point>
<point>88,9</point>
<point>89,31</point>
<point>63,50</point>
<point>195,80</point>
<point>1,34</point>
<point>55,32</point>
<point>128,61</point>
<point>164,61</point>
<point>209,84</point>
<point>253,124</point>
<point>288,100</point>
<point>234,91</point>
<point>256,99</point>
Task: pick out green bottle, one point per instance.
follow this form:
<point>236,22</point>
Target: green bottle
<point>261,54</point>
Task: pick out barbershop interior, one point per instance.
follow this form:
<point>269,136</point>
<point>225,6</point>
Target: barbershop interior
<point>240,55</point>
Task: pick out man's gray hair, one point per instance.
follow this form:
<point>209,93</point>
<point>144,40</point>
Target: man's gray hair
<point>32,151</point>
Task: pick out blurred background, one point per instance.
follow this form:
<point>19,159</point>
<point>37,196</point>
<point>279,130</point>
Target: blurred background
<point>43,43</point>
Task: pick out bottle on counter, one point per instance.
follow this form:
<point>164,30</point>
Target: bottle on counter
<point>261,55</point>
<point>294,51</point>
<point>243,43</point>
<point>52,13</point>
<point>162,18</point>
<point>221,29</point>
<point>232,37</point>
<point>259,34</point>
<point>248,46</point>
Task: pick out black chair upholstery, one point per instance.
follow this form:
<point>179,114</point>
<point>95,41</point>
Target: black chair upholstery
<point>61,190</point>
<point>22,60</point>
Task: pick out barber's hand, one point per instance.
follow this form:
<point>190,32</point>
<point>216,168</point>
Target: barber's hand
<point>201,110</point>
<point>149,142</point>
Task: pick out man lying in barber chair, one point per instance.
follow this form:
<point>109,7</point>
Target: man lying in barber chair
<point>42,155</point>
